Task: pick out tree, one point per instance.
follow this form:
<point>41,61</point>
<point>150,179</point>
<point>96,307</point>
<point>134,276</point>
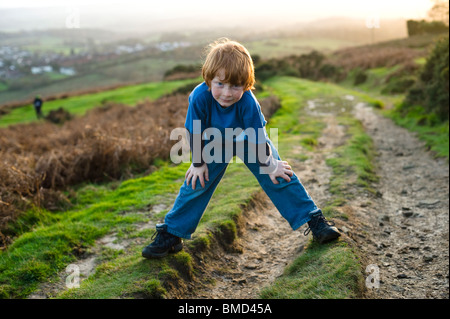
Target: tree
<point>439,11</point>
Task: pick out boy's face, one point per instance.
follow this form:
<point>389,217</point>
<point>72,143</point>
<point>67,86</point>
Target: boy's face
<point>225,94</point>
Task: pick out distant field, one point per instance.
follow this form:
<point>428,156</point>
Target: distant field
<point>50,44</point>
<point>139,70</point>
<point>78,105</point>
<point>146,66</point>
<point>279,47</point>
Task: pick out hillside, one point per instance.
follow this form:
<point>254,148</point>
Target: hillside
<point>79,104</point>
<point>51,61</point>
<point>106,229</point>
<point>81,199</point>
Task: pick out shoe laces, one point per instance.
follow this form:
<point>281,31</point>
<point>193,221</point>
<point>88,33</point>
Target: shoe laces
<point>316,221</point>
<point>158,236</point>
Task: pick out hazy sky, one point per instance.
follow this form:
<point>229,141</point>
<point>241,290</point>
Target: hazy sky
<point>176,15</point>
<point>314,9</point>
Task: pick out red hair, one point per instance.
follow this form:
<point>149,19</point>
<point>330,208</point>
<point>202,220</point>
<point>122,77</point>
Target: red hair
<point>234,59</point>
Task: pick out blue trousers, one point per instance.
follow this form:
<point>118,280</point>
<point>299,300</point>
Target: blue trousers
<point>290,198</point>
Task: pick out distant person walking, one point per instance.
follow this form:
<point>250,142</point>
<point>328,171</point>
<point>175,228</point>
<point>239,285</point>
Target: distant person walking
<point>38,106</point>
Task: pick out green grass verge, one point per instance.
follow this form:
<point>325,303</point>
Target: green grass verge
<point>434,133</point>
<point>329,271</point>
<point>38,255</point>
<point>354,159</point>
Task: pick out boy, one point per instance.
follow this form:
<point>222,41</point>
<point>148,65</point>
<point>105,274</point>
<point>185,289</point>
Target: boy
<point>222,103</point>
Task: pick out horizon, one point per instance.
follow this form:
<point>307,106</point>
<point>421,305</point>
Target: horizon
<point>350,8</point>
<point>134,15</point>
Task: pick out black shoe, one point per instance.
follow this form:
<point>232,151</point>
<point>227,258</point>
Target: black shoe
<point>162,244</point>
<point>323,231</point>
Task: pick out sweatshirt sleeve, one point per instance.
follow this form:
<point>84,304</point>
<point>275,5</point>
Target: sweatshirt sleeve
<point>196,124</point>
<point>254,118</point>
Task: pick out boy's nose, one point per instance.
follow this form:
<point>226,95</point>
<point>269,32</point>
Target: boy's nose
<point>227,92</point>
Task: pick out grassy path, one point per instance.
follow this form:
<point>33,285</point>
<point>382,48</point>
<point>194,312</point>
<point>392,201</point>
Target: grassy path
<point>126,213</point>
<point>334,270</point>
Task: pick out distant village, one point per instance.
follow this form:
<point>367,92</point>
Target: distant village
<point>16,62</point>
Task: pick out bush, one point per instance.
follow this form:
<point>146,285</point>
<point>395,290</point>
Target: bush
<point>432,88</point>
<point>360,77</point>
<point>268,69</point>
<point>331,72</point>
<point>401,80</point>
<point>397,85</point>
<point>182,71</point>
<point>308,66</point>
<point>425,27</point>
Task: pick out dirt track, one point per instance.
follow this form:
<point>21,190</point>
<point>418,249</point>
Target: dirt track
<point>407,227</point>
<point>403,231</point>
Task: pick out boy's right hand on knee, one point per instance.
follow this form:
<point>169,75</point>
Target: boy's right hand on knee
<point>281,169</point>
<point>201,173</point>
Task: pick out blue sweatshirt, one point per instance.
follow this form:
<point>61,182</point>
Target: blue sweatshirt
<point>208,113</point>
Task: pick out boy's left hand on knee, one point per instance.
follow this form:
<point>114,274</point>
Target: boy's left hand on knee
<point>281,169</point>
<point>201,173</point>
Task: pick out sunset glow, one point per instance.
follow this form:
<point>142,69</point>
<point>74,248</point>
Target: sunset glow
<point>286,8</point>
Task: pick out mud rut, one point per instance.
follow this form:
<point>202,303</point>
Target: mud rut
<point>403,231</point>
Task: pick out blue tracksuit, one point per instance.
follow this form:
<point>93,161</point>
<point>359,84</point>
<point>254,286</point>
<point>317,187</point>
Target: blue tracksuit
<point>205,117</point>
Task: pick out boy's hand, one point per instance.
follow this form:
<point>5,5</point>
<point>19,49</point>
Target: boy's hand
<point>197,172</point>
<point>283,170</point>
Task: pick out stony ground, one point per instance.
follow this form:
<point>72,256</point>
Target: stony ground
<point>406,229</point>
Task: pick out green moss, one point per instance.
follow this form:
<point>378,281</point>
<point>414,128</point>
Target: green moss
<point>227,231</point>
<point>201,243</point>
<point>168,274</point>
<point>182,262</point>
<point>330,271</point>
<point>148,289</point>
